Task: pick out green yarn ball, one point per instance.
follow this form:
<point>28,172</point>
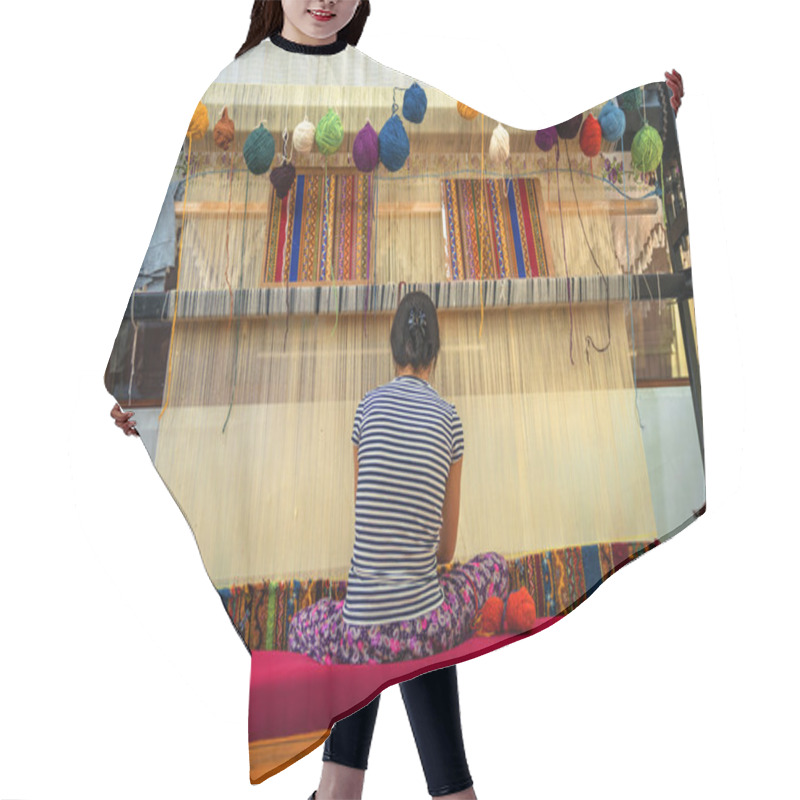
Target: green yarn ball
<point>646,149</point>
<point>631,100</point>
<point>330,133</point>
<point>259,150</point>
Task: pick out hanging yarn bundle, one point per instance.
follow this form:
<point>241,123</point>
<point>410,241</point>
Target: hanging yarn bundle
<point>631,100</point>
<point>366,149</point>
<point>224,131</point>
<point>303,137</point>
<point>499,148</point>
<point>612,121</point>
<point>199,124</point>
<point>591,136</point>
<point>570,128</point>
<point>415,103</point>
<point>259,150</point>
<point>546,138</point>
<point>466,111</point>
<point>646,149</point>
<point>330,133</point>
<point>282,179</point>
<point>394,145</point>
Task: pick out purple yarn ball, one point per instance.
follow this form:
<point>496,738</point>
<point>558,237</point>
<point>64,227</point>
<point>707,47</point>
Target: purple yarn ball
<point>366,149</point>
<point>546,138</point>
<point>570,128</point>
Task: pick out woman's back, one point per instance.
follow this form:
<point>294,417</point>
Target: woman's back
<point>407,438</point>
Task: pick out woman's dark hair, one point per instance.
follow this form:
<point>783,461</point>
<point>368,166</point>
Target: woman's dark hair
<point>415,332</point>
<point>266,19</point>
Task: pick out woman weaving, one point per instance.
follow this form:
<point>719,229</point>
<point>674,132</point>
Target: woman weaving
<point>408,455</point>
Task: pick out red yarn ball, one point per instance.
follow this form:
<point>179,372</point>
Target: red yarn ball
<point>591,136</point>
<point>490,618</point>
<point>520,611</point>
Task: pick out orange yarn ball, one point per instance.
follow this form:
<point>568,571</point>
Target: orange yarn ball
<point>224,131</point>
<point>199,124</point>
<point>466,111</point>
<point>520,611</point>
<point>591,136</point>
<point>490,617</point>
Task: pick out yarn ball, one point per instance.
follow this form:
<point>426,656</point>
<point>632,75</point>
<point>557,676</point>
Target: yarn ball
<point>330,133</point>
<point>490,618</point>
<point>466,111</point>
<point>366,149</point>
<point>520,611</point>
<point>199,124</point>
<point>224,131</point>
<point>499,148</point>
<point>630,100</point>
<point>612,121</point>
<point>282,179</point>
<point>570,128</point>
<point>259,150</point>
<point>415,103</point>
<point>591,136</point>
<point>303,137</point>
<point>646,149</point>
<point>546,138</point>
<point>394,145</point>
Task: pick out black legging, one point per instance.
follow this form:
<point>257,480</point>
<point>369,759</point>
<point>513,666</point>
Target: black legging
<point>432,706</point>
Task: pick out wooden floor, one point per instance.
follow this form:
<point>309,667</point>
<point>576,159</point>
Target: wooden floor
<point>269,756</point>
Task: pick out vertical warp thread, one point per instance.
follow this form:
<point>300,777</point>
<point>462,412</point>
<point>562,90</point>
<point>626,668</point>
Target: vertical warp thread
<point>177,283</point>
<point>564,246</point>
<point>235,367</point>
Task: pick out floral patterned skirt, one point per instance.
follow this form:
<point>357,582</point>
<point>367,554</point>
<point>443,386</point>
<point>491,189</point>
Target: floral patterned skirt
<point>320,631</point>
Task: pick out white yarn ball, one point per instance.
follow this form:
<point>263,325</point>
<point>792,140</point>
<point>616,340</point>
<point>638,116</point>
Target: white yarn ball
<point>303,136</point>
<point>499,149</point>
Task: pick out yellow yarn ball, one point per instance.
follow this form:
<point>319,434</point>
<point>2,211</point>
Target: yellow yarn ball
<point>199,124</point>
<point>466,111</point>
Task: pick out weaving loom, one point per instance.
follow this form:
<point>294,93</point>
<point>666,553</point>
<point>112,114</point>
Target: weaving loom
<point>564,294</point>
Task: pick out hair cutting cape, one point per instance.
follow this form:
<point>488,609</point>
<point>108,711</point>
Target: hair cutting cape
<point>558,262</point>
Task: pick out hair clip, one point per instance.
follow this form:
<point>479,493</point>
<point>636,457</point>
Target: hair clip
<point>416,319</point>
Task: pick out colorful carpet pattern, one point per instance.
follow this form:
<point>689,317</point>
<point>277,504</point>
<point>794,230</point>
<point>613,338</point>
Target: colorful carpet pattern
<point>558,580</point>
<point>493,229</point>
<point>320,230</point>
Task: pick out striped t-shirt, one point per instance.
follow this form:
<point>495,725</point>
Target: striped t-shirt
<point>407,438</point>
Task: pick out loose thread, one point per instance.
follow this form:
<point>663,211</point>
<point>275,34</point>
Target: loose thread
<point>630,299</point>
<point>564,247</point>
<point>238,321</point>
<point>369,247</point>
<point>327,227</point>
<point>177,283</point>
<point>589,340</point>
<point>481,230</point>
<point>227,242</point>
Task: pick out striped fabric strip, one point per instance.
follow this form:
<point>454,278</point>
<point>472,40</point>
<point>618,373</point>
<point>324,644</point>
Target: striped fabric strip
<point>509,242</point>
<point>320,230</point>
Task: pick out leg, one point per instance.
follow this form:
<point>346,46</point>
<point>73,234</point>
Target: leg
<point>315,630</point>
<point>433,711</point>
<point>346,754</point>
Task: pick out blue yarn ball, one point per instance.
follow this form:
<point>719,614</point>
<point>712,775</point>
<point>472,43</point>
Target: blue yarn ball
<point>394,145</point>
<point>612,122</point>
<point>415,103</point>
<point>259,150</point>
